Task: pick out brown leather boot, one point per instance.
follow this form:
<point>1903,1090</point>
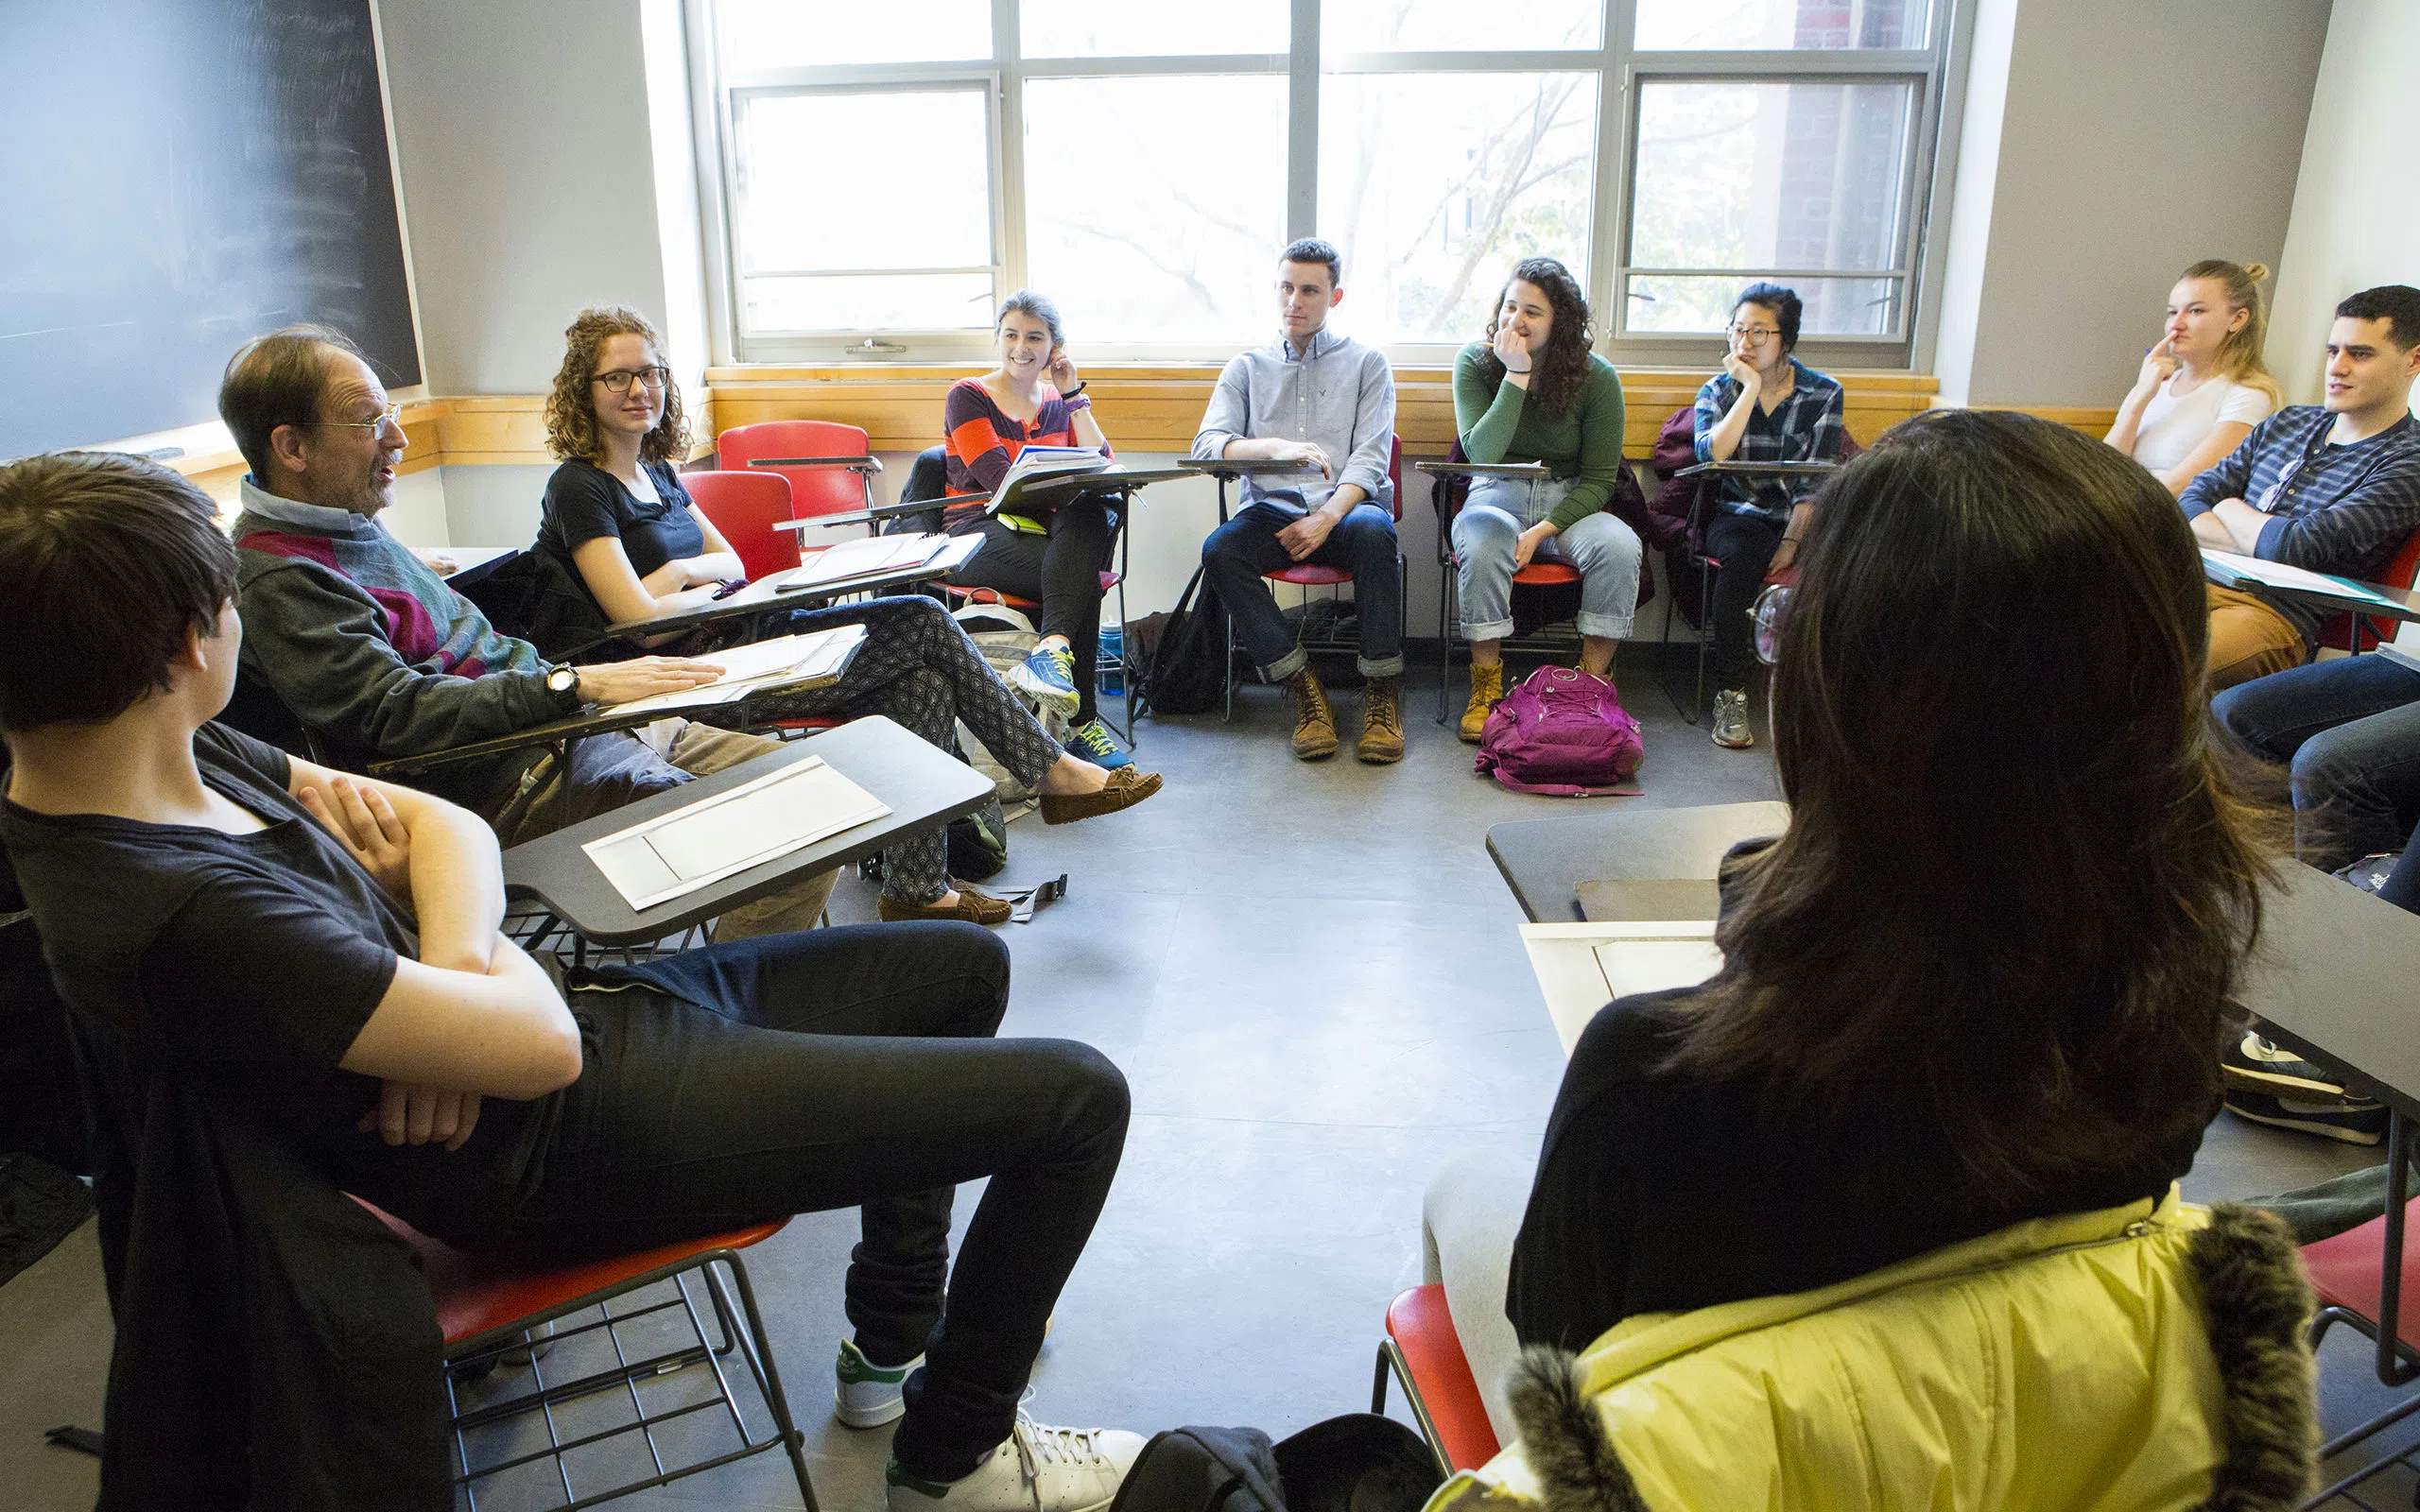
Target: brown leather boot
<point>1314,721</point>
<point>1381,742</point>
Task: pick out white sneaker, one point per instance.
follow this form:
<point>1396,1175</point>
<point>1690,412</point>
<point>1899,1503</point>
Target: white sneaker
<point>1038,1469</point>
<point>865,1395</point>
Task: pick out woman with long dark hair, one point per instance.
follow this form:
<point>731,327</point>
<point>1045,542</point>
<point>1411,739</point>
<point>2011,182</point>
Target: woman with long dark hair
<point>1533,392</point>
<point>1981,977</point>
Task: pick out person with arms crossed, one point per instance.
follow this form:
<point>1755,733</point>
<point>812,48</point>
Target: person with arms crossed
<point>1531,391</point>
<point>2332,486</point>
<point>617,521</point>
<point>2203,386</point>
<point>323,953</point>
<point>1321,399</point>
<point>1765,406</point>
<point>366,646</point>
<point>1036,398</point>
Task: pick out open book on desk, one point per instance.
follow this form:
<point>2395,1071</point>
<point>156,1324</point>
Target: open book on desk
<point>788,662</point>
<point>1580,968</point>
<point>722,836</point>
<point>860,558</point>
<point>1037,464</point>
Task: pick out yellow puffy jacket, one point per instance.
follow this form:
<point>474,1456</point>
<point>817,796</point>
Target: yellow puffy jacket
<point>2138,1358</point>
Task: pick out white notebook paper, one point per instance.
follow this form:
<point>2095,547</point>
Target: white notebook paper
<point>780,811</point>
<point>860,558</point>
<point>779,663</point>
<point>2278,575</point>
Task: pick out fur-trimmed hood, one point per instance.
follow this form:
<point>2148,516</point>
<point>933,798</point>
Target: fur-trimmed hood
<point>2161,1364</point>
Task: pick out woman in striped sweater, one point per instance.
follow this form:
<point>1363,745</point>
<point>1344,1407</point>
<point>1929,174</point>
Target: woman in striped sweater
<point>1034,398</point>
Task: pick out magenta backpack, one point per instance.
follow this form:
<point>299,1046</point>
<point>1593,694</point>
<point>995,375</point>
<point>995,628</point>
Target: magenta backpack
<point>1562,732</point>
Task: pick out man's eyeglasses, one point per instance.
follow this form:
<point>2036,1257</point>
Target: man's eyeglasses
<point>1753,332</point>
<point>618,380</point>
<point>392,415</point>
<point>1772,609</point>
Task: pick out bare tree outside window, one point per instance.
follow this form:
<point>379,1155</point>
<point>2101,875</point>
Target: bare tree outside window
<point>1433,185</point>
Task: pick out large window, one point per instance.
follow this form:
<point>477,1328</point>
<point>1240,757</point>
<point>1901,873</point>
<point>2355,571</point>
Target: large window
<point>880,175</point>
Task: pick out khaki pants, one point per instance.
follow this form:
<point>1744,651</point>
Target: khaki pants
<point>2248,639</point>
<point>703,751</point>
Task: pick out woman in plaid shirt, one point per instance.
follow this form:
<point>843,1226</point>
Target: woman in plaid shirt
<point>1765,406</point>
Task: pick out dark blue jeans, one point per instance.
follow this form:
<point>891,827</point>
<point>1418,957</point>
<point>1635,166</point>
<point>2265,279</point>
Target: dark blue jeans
<point>2350,731</point>
<point>849,1067</point>
<point>1362,543</point>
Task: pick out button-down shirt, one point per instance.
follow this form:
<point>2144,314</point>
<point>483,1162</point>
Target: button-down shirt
<point>1340,396</point>
<point>1803,427</point>
<point>2331,508</point>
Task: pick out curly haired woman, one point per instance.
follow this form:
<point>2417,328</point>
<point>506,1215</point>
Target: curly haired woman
<point>616,514</point>
<point>1533,392</point>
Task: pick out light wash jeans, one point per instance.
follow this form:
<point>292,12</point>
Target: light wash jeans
<point>1486,533</point>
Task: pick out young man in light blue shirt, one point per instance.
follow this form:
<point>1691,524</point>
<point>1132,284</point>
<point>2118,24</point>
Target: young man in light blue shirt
<point>1327,401</point>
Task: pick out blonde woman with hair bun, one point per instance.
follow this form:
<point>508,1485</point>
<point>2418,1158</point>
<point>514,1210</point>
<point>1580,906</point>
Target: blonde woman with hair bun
<point>2203,386</point>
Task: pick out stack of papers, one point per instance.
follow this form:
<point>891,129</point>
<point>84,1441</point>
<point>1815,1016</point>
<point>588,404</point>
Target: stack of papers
<point>1036,463</point>
<point>788,660</point>
<point>671,857</point>
<point>862,558</point>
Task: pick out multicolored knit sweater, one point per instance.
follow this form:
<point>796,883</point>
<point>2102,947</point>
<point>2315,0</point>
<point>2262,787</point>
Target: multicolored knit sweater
<point>368,646</point>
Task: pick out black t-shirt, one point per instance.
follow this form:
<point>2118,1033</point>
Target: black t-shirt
<point>585,503</point>
<point>255,960</point>
<point>1655,1193</point>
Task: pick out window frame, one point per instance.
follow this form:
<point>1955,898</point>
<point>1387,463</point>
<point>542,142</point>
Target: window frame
<point>1936,73</point>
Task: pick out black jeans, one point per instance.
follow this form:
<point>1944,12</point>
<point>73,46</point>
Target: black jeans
<point>1062,570</point>
<point>1744,544</point>
<point>849,1067</point>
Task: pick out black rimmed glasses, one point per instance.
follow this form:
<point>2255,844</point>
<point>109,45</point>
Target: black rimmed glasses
<point>618,380</point>
<point>1753,332</point>
<point>1766,618</point>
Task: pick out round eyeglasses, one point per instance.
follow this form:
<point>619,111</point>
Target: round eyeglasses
<point>618,380</point>
<point>1766,617</point>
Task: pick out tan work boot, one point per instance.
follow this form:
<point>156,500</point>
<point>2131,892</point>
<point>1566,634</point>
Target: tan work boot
<point>1382,740</point>
<point>1314,721</point>
<point>1487,687</point>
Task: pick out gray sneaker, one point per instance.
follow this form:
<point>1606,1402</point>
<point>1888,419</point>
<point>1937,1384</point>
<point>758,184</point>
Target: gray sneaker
<point>1731,719</point>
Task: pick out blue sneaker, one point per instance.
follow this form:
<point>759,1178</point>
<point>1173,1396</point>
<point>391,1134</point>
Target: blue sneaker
<point>1091,742</point>
<point>1048,678</point>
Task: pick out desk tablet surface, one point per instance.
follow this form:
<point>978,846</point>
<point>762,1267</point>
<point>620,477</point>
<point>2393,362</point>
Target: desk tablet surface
<point>1544,861</point>
<point>922,786</point>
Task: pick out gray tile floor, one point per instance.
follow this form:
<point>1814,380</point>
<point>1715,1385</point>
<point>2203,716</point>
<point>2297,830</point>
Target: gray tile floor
<point>1312,979</point>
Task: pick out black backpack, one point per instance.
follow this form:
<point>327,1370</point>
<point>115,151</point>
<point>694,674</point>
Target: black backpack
<point>1355,1463</point>
<point>1187,669</point>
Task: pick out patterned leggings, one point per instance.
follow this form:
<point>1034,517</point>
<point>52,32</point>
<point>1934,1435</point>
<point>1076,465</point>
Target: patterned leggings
<point>918,667</point>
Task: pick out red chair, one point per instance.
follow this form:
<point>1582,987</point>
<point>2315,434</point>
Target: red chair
<point>2346,1272</point>
<point>745,508</point>
<point>2343,631</point>
<point>828,466</point>
<point>1306,575</point>
<point>1422,1351</point>
<point>1446,494</point>
<point>487,1306</point>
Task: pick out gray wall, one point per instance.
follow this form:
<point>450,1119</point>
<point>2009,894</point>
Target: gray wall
<point>522,136</point>
<point>2357,223</point>
<point>2137,137</point>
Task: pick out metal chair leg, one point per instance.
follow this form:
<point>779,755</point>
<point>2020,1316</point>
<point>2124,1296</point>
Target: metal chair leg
<point>1125,652</point>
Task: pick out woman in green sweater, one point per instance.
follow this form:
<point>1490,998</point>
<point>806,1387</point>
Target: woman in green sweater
<point>1533,392</point>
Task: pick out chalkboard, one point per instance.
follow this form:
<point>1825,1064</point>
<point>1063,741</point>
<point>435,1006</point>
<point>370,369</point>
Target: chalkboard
<point>176,175</point>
